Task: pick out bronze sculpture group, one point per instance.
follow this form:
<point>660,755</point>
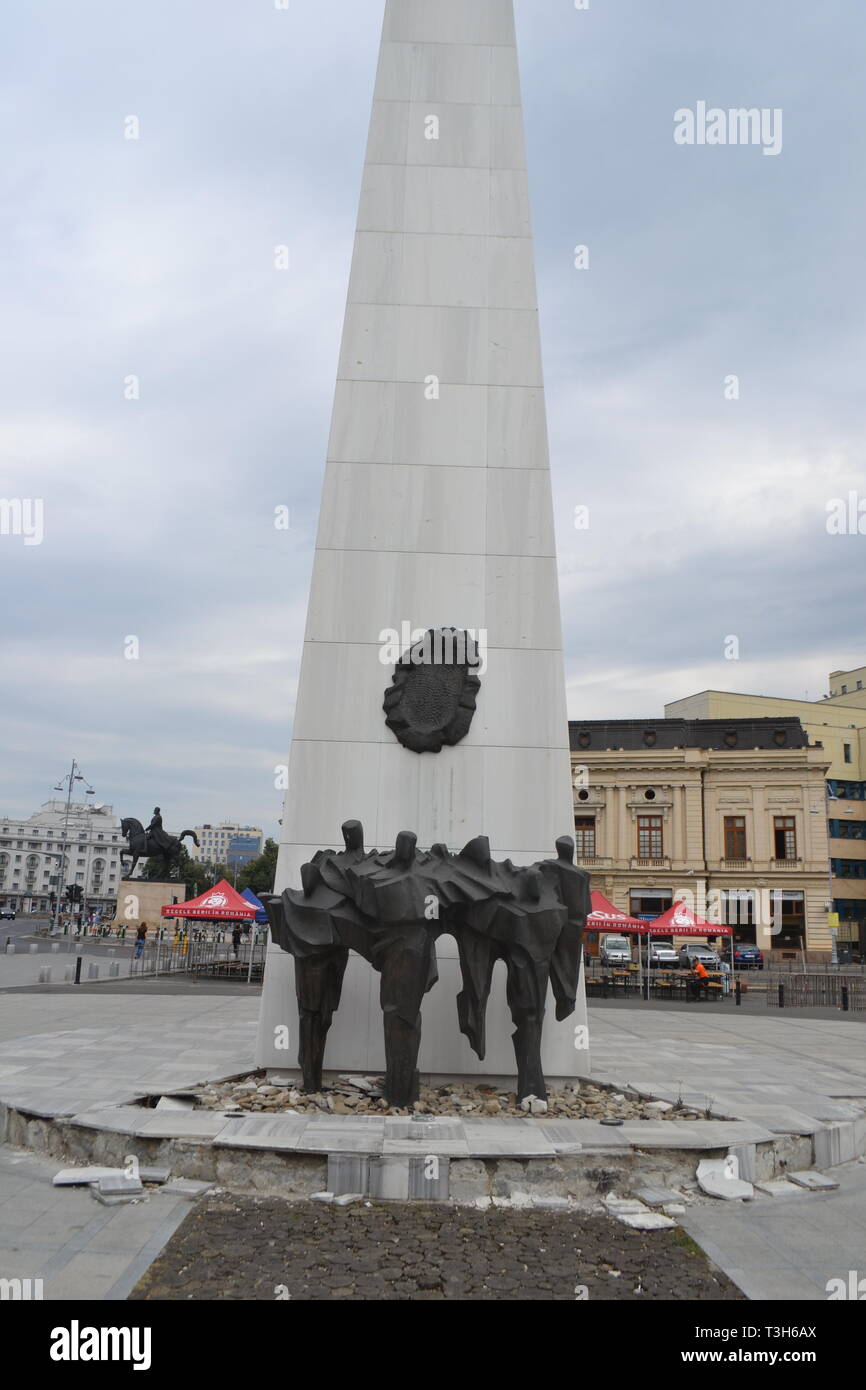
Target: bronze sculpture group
<point>390,907</point>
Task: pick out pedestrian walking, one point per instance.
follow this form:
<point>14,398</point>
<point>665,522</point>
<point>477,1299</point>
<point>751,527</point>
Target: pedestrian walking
<point>140,938</point>
<point>236,938</point>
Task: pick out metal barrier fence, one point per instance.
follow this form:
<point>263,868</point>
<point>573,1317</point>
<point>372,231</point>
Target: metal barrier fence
<point>823,967</point>
<point>813,989</point>
<point>214,959</point>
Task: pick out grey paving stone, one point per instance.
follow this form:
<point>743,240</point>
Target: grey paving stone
<point>814,1182</point>
<point>429,1181</point>
<point>452,1148</point>
<point>262,1132</point>
<point>389,1179</point>
<point>779,1187</point>
<point>348,1173</point>
<point>194,1124</point>
<point>320,1140</point>
<point>657,1196</point>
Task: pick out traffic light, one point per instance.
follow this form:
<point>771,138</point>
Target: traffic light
<point>74,892</point>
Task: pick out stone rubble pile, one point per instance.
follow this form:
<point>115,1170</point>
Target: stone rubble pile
<point>362,1095</point>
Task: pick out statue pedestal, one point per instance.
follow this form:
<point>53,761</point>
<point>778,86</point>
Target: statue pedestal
<point>140,900</point>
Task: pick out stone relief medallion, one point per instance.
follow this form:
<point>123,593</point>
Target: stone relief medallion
<point>434,687</point>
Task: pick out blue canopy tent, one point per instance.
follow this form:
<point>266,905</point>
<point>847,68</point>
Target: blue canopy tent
<point>261,915</point>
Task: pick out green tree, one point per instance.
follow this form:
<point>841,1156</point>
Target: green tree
<point>260,873</point>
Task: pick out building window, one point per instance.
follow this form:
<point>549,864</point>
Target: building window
<point>785,837</point>
<point>649,837</point>
<point>646,904</point>
<point>846,752</point>
<point>584,836</point>
<point>735,837</point>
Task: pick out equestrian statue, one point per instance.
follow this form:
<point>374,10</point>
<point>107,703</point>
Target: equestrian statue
<point>154,841</point>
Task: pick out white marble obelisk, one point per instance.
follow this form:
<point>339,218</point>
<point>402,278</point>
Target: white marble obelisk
<point>436,512</point>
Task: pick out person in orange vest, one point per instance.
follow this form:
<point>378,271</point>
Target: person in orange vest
<point>699,977</point>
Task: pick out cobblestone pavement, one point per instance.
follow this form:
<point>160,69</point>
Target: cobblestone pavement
<point>233,1247</point>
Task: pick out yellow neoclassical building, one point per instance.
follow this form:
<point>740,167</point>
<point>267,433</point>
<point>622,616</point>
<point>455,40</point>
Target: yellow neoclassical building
<point>838,723</point>
<point>727,813</point>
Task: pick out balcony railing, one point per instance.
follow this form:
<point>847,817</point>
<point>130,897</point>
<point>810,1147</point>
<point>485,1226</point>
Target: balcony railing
<point>593,861</point>
<point>789,865</point>
<point>735,863</point>
<point>637,863</point>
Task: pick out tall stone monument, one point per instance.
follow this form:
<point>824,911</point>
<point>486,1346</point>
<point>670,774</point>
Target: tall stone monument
<point>436,515</point>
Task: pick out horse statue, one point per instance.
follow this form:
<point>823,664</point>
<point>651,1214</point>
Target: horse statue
<point>144,844</point>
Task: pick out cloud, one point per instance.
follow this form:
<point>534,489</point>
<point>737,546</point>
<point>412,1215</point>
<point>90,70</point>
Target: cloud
<point>154,259</point>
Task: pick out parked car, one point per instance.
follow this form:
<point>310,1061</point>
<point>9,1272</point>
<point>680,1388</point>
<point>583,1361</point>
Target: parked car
<point>7,914</point>
<point>695,951</point>
<point>748,958</point>
<point>661,954</point>
<point>615,950</point>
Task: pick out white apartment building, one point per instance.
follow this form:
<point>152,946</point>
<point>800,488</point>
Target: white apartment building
<point>31,852</point>
<point>227,843</point>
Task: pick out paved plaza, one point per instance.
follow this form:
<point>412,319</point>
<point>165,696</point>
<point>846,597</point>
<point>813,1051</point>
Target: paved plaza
<point>64,1052</point>
<point>77,1247</point>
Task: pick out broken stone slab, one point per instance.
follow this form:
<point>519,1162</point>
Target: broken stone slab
<point>121,1186</point>
<point>715,1178</point>
<point>116,1199</point>
<point>658,1196</point>
<point>187,1187</point>
<point>360,1083</point>
<point>324,1198</point>
<point>156,1175</point>
<point>533,1105</point>
<point>813,1182</point>
<point>779,1187</point>
<point>175,1103</point>
<point>625,1206</point>
<point>282,1078</point>
<point>659,1105</point>
<point>347,1199</point>
<point>674,1209</point>
<point>551,1203</point>
<point>646,1221</point>
<point>73,1177</point>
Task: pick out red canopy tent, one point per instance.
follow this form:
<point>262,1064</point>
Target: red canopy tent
<point>679,920</point>
<point>606,917</point>
<point>220,903</point>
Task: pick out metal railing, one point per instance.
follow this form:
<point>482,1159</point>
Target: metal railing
<point>815,990</point>
<point>210,958</point>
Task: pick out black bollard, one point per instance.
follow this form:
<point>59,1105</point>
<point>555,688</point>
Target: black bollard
<point>844,999</point>
<point>738,993</point>
<point>781,996</point>
<point>78,970</point>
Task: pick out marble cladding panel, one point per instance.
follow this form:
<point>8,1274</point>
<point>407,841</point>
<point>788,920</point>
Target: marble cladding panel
<point>450,21</point>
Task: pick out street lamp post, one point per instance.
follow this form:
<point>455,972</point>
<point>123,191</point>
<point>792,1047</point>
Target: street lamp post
<point>73,775</point>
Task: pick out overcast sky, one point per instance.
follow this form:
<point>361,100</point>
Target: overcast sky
<point>153,258</point>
